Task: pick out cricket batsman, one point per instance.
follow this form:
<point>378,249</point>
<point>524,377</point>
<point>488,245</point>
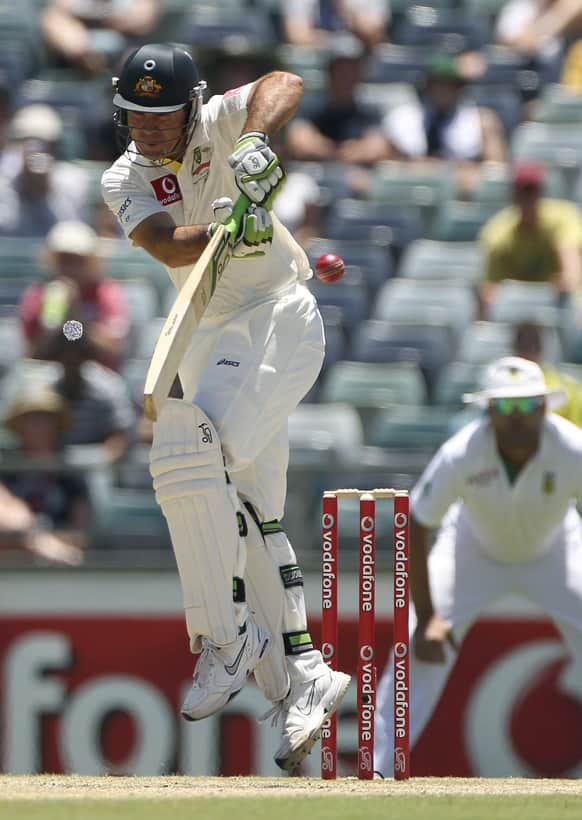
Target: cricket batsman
<point>219,455</point>
<point>502,493</point>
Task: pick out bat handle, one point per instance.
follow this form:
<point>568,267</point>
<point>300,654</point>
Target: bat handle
<point>233,222</point>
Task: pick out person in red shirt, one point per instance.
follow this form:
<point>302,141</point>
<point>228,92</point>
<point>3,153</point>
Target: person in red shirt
<point>75,289</point>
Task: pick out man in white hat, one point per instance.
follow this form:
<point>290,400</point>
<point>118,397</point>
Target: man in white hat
<point>502,493</point>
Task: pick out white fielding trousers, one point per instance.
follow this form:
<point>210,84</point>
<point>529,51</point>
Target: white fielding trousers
<point>464,582</point>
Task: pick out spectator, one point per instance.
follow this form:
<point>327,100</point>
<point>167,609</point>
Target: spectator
<point>101,409</point>
<point>36,188</point>
<point>502,496</point>
<point>571,76</point>
<point>313,22</point>
<point>90,35</point>
<point>45,508</point>
<point>537,28</point>
<point>528,343</point>
<point>535,239</point>
<point>5,120</point>
<point>339,127</point>
<point>76,289</point>
<point>445,126</point>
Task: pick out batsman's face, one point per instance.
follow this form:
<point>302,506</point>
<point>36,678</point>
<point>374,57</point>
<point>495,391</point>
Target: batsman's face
<point>518,427</point>
<point>158,136</point>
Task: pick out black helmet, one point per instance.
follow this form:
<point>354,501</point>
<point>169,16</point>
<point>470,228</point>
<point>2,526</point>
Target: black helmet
<point>157,78</point>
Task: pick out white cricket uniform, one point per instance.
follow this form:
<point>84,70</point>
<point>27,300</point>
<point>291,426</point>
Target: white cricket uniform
<point>495,538</point>
<point>260,345</point>
<point>256,353</point>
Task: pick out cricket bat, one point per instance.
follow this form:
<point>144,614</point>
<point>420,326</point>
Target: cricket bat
<point>185,315</point>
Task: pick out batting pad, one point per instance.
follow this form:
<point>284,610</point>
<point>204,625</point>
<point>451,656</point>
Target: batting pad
<point>275,594</point>
<point>201,511</point>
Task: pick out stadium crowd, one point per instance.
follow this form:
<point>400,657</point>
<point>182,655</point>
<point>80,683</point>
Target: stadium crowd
<point>428,134</point>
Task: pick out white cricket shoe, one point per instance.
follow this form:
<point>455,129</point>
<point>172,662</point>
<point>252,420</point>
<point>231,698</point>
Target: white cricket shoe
<point>304,711</point>
<point>217,678</point>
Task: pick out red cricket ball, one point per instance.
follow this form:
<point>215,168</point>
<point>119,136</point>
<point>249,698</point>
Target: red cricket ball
<point>329,267</point>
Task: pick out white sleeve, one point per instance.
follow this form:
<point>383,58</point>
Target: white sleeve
<point>126,197</point>
<point>513,17</point>
<point>299,9</point>
<point>436,489</point>
<point>403,127</point>
<point>225,114</point>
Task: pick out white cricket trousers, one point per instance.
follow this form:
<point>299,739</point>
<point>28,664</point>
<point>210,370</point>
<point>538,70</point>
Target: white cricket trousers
<point>463,582</point>
<point>248,373</point>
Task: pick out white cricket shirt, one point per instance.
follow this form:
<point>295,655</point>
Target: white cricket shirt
<point>135,188</point>
<point>513,523</point>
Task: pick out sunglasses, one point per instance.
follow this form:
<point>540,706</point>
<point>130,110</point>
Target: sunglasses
<point>526,405</point>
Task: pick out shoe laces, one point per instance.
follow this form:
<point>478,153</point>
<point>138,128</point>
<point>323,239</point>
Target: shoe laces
<point>275,713</point>
<point>204,667</point>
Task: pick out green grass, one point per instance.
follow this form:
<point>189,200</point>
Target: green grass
<point>323,807</point>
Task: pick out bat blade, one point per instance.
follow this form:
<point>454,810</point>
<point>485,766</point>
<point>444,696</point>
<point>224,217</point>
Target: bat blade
<point>183,319</point>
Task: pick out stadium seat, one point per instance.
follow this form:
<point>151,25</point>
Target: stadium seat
<point>122,261</point>
<point>390,63</point>
<point>431,345</point>
<point>371,258</point>
<point>556,145</point>
<point>410,428</point>
<point>517,301</point>
<point>559,104</point>
<point>391,224</point>
<point>332,178</point>
<point>412,300</point>
<point>21,258</point>
<point>370,386</point>
<point>454,30</point>
<point>147,336</point>
<point>508,71</point>
<point>350,294</point>
<point>142,300</point>
<point>572,369</point>
<point>456,379</point>
<point>399,183</point>
<point>494,185</point>
<point>129,519</point>
<point>242,29</point>
<point>459,221</point>
<point>309,63</point>
<point>12,343</point>
<point>482,342</point>
<point>386,96</point>
<point>335,428</point>
<point>444,261</point>
<point>335,334</point>
<point>486,9</point>
<point>11,290</point>
<point>504,100</point>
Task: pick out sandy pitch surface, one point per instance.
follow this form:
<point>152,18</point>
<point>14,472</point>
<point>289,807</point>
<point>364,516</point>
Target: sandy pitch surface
<point>53,787</point>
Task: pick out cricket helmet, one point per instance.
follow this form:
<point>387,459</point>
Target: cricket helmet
<point>157,78</point>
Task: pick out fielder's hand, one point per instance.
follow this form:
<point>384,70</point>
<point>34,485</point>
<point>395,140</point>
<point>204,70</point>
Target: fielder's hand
<point>256,169</point>
<point>252,235</point>
<point>430,639</point>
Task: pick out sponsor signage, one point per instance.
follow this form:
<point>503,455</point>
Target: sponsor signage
<point>98,689</point>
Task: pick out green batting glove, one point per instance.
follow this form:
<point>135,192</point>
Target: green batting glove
<point>250,234</point>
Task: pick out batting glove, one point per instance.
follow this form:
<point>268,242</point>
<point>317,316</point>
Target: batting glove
<point>252,235</point>
<point>256,168</point>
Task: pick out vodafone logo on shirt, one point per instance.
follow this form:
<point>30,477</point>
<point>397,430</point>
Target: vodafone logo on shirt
<point>166,189</point>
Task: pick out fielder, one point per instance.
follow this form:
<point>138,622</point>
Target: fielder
<point>503,493</point>
<point>219,456</point>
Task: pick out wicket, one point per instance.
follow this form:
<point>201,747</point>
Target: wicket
<point>367,671</point>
